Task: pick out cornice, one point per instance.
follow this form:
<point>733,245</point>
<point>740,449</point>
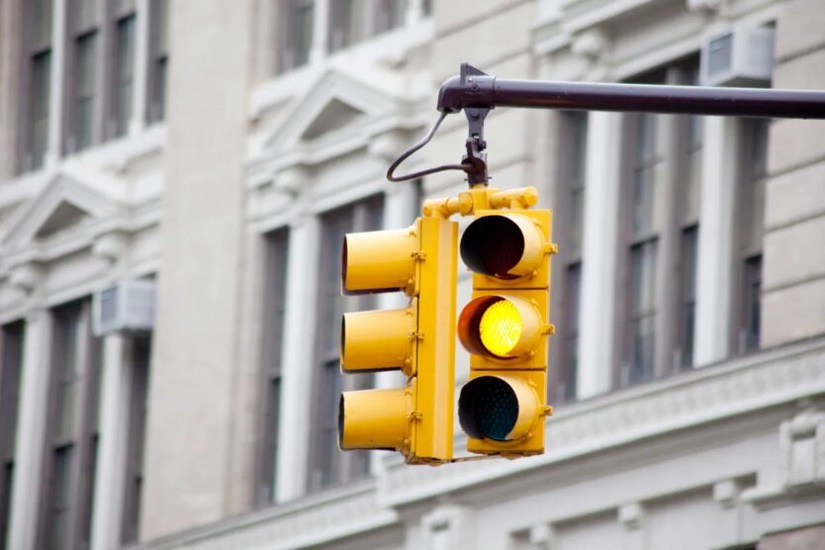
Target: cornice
<point>308,522</point>
<point>696,398</point>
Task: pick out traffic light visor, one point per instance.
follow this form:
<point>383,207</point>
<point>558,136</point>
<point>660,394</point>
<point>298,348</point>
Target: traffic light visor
<point>507,246</point>
<point>374,419</point>
<point>378,261</point>
<point>499,408</point>
<point>377,340</point>
<point>499,326</point>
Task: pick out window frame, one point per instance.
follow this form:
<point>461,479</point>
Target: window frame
<point>32,50</point>
<point>12,344</point>
<point>139,349</point>
<point>275,272</point>
<point>82,441</point>
<point>571,171</point>
<point>750,185</point>
<point>671,165</point>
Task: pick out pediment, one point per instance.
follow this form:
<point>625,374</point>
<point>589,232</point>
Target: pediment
<point>63,205</point>
<point>335,115</point>
<point>332,103</point>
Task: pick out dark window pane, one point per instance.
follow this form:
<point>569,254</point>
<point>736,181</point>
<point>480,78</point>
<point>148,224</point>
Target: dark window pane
<point>39,131</point>
<point>41,21</point>
<point>85,86</point>
<point>642,305</point>
<point>85,14</point>
<point>124,74</point>
<point>137,434</point>
<point>6,487</point>
<point>298,32</point>
<point>11,369</point>
<point>643,270</point>
<point>61,501</point>
<point>753,291</point>
<point>330,455</point>
<point>390,14</point>
<point>688,295</point>
<point>571,332</point>
<point>643,344</point>
<point>276,275</point>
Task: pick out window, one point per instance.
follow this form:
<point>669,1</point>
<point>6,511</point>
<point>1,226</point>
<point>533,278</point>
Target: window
<point>571,198</point>
<point>689,155</point>
<point>71,441</point>
<point>643,241</point>
<point>140,352</point>
<point>37,87</point>
<point>124,68</point>
<point>329,466</point>
<point>749,234</point>
<point>100,77</point>
<point>660,232</point>
<point>83,78</point>
<point>159,59</point>
<point>11,366</point>
<point>352,21</point>
<point>277,252</point>
<point>297,32</point>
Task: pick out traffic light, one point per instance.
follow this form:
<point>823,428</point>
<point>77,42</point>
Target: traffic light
<point>416,420</point>
<point>505,329</point>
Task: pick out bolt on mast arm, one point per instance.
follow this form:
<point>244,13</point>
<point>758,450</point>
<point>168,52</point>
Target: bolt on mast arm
<point>475,89</point>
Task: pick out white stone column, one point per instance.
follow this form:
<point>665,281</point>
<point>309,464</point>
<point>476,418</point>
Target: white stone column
<point>320,31</point>
<point>298,357</point>
<point>714,262</point>
<point>599,250</point>
<point>112,446</point>
<point>141,76</point>
<point>32,417</point>
<point>56,84</point>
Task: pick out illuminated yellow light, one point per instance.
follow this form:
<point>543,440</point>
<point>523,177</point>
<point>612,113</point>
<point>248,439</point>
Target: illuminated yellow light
<point>500,328</point>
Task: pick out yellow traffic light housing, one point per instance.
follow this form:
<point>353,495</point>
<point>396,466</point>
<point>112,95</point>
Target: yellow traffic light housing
<point>505,329</point>
<point>416,420</point>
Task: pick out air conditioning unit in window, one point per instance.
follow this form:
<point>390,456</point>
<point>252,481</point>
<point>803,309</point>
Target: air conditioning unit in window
<point>125,306</point>
<point>741,57</point>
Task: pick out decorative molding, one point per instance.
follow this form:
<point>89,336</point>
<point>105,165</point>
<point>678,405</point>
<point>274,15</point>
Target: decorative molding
<point>26,277</point>
<point>802,444</point>
<point>631,516</point>
<point>726,493</point>
<point>110,246</point>
<point>334,85</point>
<point>292,180</point>
<point>590,45</point>
<point>387,146</point>
<point>706,5</point>
<point>308,522</point>
<point>61,189</point>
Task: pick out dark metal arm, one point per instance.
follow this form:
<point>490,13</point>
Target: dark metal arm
<point>476,89</point>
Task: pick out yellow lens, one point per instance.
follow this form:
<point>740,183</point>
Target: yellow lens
<point>500,328</point>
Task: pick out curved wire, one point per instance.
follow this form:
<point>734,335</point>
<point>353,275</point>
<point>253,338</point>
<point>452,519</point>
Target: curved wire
<point>406,154</point>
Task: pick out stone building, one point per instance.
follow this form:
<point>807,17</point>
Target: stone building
<point>211,154</point>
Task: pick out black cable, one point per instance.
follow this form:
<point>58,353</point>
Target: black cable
<point>406,154</point>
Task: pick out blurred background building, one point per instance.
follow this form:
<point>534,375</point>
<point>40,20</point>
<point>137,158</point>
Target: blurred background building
<point>175,180</point>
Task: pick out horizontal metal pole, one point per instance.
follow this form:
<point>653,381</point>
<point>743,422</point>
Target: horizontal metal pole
<point>486,91</point>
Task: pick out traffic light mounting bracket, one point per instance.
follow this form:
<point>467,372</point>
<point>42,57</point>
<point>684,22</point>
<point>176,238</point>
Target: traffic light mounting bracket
<point>476,93</point>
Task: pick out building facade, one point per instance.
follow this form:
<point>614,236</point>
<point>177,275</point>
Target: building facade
<point>215,154</point>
